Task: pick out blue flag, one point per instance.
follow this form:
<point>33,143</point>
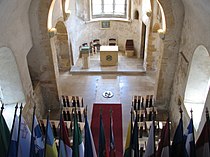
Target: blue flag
<point>89,144</point>
<point>13,143</point>
<point>189,140</point>
<point>37,143</point>
<point>134,141</point>
<point>178,141</point>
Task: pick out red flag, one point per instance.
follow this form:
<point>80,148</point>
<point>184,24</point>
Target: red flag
<point>64,144</point>
<point>164,144</point>
<point>202,144</point>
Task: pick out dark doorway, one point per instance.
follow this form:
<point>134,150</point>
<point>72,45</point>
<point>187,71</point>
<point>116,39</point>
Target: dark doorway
<point>143,36</point>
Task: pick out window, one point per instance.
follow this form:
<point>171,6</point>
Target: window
<point>109,8</point>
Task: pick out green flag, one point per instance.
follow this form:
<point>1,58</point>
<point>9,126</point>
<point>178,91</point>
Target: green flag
<point>102,150</point>
<point>78,145</point>
<point>4,136</point>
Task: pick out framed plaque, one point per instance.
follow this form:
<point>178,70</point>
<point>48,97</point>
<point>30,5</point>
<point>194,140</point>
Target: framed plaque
<point>105,24</point>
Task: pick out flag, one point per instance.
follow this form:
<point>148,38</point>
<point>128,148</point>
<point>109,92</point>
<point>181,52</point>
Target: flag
<point>102,149</point>
<point>127,152</point>
<point>112,144</point>
<point>150,149</point>
<point>13,143</point>
<point>37,140</point>
<point>64,147</point>
<point>24,139</point>
<point>78,145</point>
<point>50,149</point>
<point>202,144</point>
<point>189,140</point>
<point>89,144</point>
<point>135,142</point>
<point>4,136</point>
<point>164,144</point>
<point>178,141</point>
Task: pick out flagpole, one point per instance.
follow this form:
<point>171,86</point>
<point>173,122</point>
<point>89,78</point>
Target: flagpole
<point>193,133</point>
<point>2,107</point>
<point>154,130</point>
<point>61,107</point>
<point>46,132</point>
<point>13,123</point>
<point>169,150</point>
<point>32,132</point>
<point>180,110</point>
<point>18,139</point>
<point>131,130</point>
<point>85,115</point>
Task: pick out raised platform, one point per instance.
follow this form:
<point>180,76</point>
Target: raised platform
<point>126,66</point>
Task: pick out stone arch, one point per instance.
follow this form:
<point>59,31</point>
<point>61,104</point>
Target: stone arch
<point>63,51</point>
<point>40,57</point>
<point>169,54</point>
<point>198,83</point>
<point>11,90</point>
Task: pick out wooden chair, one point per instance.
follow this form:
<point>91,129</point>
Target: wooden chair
<point>96,45</point>
<point>112,42</point>
<point>129,48</point>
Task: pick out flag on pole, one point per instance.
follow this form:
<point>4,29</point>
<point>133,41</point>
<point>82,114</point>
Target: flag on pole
<point>135,141</point>
<point>78,145</point>
<point>189,140</point>
<point>112,144</point>
<point>50,149</point>
<point>64,147</point>
<point>164,144</point>
<point>102,149</point>
<point>37,140</point>
<point>203,142</point>
<point>13,143</point>
<point>4,136</point>
<point>150,149</point>
<point>178,141</point>
<point>89,144</point>
<point>24,139</point>
<point>128,142</point>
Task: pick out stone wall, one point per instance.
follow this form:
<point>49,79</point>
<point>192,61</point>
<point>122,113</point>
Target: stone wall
<point>15,34</point>
<point>174,12</point>
<point>195,32</point>
<point>40,57</point>
<point>80,31</point>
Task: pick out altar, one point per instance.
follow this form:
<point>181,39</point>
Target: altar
<point>108,55</point>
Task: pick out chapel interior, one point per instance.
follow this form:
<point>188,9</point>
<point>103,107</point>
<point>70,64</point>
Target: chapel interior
<point>47,51</point>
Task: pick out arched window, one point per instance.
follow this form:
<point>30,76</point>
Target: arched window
<point>109,8</point>
<point>136,15</point>
<point>198,83</point>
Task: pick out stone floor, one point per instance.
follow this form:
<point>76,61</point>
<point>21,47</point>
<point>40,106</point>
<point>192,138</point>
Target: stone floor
<point>131,80</point>
<point>92,85</point>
